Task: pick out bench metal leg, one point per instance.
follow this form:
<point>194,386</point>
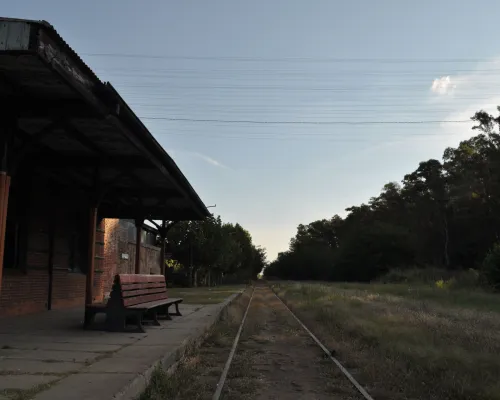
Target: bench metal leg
<point>162,312</point>
<point>154,317</point>
<point>140,327</point>
<point>177,312</point>
<point>116,321</point>
<point>167,313</point>
<point>88,318</point>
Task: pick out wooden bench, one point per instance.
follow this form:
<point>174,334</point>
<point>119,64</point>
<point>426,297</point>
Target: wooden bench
<point>134,298</point>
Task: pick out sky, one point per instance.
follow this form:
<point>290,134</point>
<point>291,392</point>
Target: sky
<point>270,108</point>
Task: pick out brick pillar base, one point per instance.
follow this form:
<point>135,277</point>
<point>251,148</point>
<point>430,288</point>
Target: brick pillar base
<point>89,292</point>
<point>4,202</point>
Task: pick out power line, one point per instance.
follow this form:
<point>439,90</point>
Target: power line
<point>271,109</point>
<point>301,137</point>
<point>298,135</point>
<point>333,105</point>
<point>291,74</point>
<point>158,86</point>
<point>165,91</point>
<point>270,83</point>
<point>228,121</point>
<point>288,59</point>
<point>292,71</point>
<point>282,115</point>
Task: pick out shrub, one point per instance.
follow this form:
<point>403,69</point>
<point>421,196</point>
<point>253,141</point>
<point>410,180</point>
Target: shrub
<point>428,275</point>
<point>309,263</point>
<point>468,279</point>
<point>491,267</point>
<point>395,276</point>
<point>442,284</point>
<point>438,277</point>
<point>369,253</point>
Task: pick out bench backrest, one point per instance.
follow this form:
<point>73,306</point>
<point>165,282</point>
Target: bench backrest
<point>137,289</point>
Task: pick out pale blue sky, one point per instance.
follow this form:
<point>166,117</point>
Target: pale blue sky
<point>270,60</point>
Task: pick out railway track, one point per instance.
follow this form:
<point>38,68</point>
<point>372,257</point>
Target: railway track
<point>294,356</point>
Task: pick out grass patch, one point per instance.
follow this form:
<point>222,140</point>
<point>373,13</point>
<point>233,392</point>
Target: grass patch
<point>198,372</point>
<point>205,295</point>
<point>462,298</point>
<point>28,394</point>
<point>407,341</point>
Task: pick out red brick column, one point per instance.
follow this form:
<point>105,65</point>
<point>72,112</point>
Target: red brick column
<point>111,254</point>
<point>99,275</point>
<point>138,226</point>
<point>4,202</point>
<point>89,292</point>
<point>7,131</point>
<point>163,237</point>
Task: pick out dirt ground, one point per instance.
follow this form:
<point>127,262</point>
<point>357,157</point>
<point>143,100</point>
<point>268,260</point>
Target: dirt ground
<point>281,359</point>
<point>275,359</point>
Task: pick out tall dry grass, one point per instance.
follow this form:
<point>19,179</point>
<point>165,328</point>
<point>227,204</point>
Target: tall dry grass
<point>197,373</point>
<point>407,342</point>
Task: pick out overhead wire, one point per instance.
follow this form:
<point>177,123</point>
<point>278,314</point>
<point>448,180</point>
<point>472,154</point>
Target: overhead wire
<point>250,97</point>
<point>305,122</point>
<point>298,137</point>
<point>287,59</point>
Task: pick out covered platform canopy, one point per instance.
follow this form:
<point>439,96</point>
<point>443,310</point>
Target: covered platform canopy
<point>58,117</point>
<point>61,123</point>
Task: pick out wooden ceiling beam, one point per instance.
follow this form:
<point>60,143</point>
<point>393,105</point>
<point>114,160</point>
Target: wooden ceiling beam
<point>33,108</point>
<point>163,195</point>
<point>123,162</point>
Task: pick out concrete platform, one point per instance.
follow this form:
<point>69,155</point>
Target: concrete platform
<point>49,356</point>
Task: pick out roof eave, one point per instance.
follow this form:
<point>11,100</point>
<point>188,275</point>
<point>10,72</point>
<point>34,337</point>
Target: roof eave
<point>105,98</point>
<point>155,148</point>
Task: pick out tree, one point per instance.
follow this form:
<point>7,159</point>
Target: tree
<point>444,214</point>
<point>210,250</point>
<point>426,195</point>
<point>317,233</point>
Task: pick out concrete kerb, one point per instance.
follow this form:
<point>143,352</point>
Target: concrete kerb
<point>170,361</point>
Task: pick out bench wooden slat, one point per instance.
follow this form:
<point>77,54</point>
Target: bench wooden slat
<point>144,299</point>
<point>137,297</point>
<point>175,299</point>
<point>153,304</point>
<point>134,293</point>
<point>133,286</point>
<point>133,278</point>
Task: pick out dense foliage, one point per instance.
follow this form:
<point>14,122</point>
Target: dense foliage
<point>445,214</point>
<point>210,251</point>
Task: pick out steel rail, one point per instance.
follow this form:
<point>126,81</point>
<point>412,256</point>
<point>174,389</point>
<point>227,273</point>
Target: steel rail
<point>220,384</point>
<point>356,384</point>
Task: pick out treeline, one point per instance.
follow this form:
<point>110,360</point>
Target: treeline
<point>444,214</point>
<point>211,252</point>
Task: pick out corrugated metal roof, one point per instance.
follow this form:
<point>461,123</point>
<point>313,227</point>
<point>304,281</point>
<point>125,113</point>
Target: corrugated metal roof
<point>172,166</point>
<point>106,96</point>
<point>49,28</point>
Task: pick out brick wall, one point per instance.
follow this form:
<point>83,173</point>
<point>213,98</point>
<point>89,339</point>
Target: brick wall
<point>150,260</point>
<point>24,293</point>
<point>112,233</point>
<point>26,289</point>
<point>99,264</point>
<point>68,289</point>
<point>117,242</point>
